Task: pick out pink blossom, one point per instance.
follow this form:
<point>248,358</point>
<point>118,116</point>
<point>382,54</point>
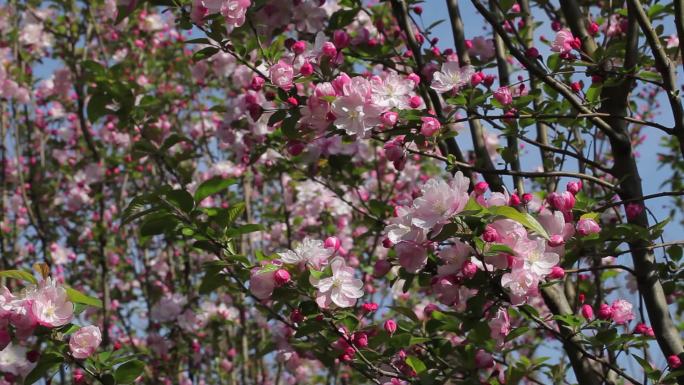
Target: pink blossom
<point>234,11</point>
<point>85,341</point>
<point>503,95</point>
<point>520,284</point>
<point>621,311</point>
<point>500,326</point>
<point>440,201</point>
<point>451,76</point>
<point>412,256</point>
<point>341,289</point>
<point>311,252</point>
<point>281,75</point>
<point>262,282</point>
<point>564,42</point>
<point>13,360</point>
<point>483,359</point>
<point>354,111</point>
<point>430,126</point>
<point>51,306</point>
<point>168,308</point>
<point>536,258</point>
<point>483,48</point>
<point>587,312</point>
<point>587,226</point>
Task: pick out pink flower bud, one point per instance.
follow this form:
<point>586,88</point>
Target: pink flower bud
<point>360,339</point>
<point>282,277</point>
<point>564,201</point>
<point>469,269</point>
<point>605,312</point>
<point>488,80</point>
<point>576,87</point>
<point>341,39</point>
<point>418,10</point>
<point>381,267</point>
<point>389,118</point>
<point>587,312</point>
<point>477,78</point>
<point>295,147</point>
<point>329,49</point>
<point>415,101</point>
<point>299,47</point>
<point>306,69</point>
<point>430,126</point>
<point>527,198</point>
<point>587,226</point>
<point>390,326</point>
<point>593,28</point>
<point>481,187</point>
<point>414,78</point>
<point>532,53</point>
<point>633,210</point>
<point>332,243</point>
<point>490,234</point>
<point>296,316</point>
<point>514,200</point>
<point>574,187</point>
<point>369,307</point>
<point>557,272</point>
<point>674,361</point>
<point>642,328</point>
<point>257,83</point>
<point>556,240</point>
<point>483,359</point>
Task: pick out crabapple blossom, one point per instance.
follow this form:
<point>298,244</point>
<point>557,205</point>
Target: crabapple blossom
<point>587,226</point>
<point>281,75</point>
<point>621,311</point>
<point>85,341</point>
<point>451,77</point>
<point>564,42</point>
<point>51,306</point>
<point>341,289</point>
<point>311,252</point>
<point>440,201</point>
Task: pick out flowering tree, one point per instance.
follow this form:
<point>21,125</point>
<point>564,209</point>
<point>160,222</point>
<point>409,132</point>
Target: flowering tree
<point>320,192</point>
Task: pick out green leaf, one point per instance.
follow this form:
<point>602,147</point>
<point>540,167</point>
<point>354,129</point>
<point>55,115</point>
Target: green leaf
<point>204,53</point>
<point>342,18</point>
<point>211,187</point>
<point>78,297</point>
<point>47,363</point>
<point>157,225</point>
<point>244,229</point>
<point>97,106</point>
<point>181,199</point>
<point>416,364</point>
<point>128,372</point>
<point>524,219</point>
<point>517,332</point>
<point>19,274</point>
